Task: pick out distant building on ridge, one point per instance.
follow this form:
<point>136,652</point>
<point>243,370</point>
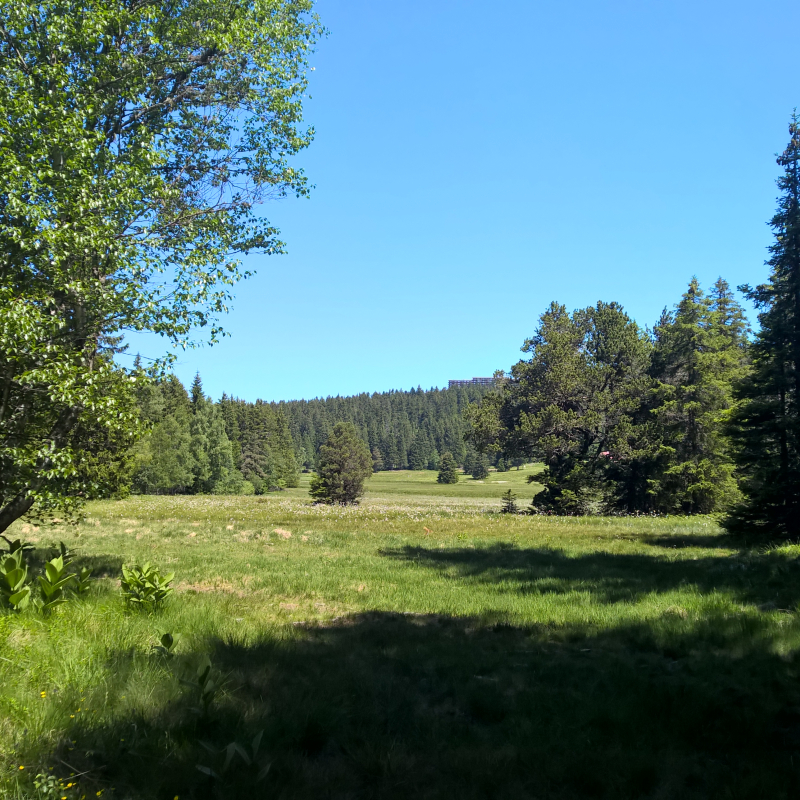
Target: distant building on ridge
<point>472,382</point>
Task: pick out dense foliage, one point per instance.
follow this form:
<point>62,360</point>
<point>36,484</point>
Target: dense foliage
<point>234,446</point>
<point>344,464</point>
<point>624,421</point>
<point>407,429</point>
<point>135,142</point>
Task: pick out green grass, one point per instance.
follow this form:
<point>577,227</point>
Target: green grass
<point>487,656</point>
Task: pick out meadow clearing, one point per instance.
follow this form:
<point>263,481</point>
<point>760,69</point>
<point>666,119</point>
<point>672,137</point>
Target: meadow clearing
<point>419,644</point>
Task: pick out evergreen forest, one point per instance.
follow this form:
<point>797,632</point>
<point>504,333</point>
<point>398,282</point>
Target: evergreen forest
<point>196,446</point>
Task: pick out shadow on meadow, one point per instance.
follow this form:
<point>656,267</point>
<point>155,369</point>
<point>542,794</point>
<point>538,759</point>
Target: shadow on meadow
<point>770,579</point>
<point>386,705</point>
<point>102,566</point>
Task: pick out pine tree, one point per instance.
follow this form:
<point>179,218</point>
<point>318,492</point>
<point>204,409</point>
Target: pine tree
<point>418,454</point>
<point>700,350</point>
<point>765,427</point>
<point>448,470</point>
<point>344,464</point>
<point>480,468</point>
<point>509,502</point>
<point>377,460</point>
<point>196,392</point>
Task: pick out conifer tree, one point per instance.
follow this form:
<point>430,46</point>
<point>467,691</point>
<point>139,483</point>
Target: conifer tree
<point>765,427</point>
<point>377,460</point>
<point>344,464</point>
<point>418,454</point>
<point>480,468</point>
<point>196,392</point>
<point>700,350</point>
<point>448,470</point>
<point>509,502</point>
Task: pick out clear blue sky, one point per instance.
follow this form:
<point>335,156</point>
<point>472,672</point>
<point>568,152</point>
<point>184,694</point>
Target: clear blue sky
<point>474,161</point>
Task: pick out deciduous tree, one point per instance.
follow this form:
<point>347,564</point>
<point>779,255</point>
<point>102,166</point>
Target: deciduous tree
<point>136,141</point>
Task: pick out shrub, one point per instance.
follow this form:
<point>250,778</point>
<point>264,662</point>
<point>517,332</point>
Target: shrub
<point>14,590</point>
<point>144,587</point>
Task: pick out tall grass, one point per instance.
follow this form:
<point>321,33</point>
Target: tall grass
<point>412,645</point>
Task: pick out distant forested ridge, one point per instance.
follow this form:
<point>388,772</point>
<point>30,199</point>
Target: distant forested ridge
<point>405,429</point>
<point>194,445</point>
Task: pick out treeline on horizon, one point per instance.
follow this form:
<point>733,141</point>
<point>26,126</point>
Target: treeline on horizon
<point>233,446</point>
<point>626,419</point>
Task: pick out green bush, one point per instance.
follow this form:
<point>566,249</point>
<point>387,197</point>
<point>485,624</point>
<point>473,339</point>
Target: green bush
<point>144,588</point>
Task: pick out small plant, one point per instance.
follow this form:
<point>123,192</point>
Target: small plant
<point>144,587</point>
<point>14,589</point>
<point>53,584</point>
<point>83,580</point>
<point>16,545</point>
<point>229,753</point>
<point>509,503</point>
<point>205,684</point>
<point>169,641</point>
<point>49,787</point>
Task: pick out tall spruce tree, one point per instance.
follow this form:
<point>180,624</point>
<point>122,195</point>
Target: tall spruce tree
<point>700,350</point>
<point>765,427</point>
<point>448,469</point>
<point>344,464</point>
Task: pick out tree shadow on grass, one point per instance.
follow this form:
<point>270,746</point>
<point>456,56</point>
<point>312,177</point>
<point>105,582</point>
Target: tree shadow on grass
<point>680,541</point>
<point>770,579</point>
<point>102,565</point>
<point>386,705</point>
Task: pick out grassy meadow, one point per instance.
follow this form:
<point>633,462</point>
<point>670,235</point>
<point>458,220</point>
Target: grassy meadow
<point>420,644</point>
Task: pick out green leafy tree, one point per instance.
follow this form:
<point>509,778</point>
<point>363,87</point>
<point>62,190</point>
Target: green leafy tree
<point>136,142</point>
<point>571,406</point>
<point>344,464</point>
<point>164,461</point>
<point>448,469</point>
<point>765,426</point>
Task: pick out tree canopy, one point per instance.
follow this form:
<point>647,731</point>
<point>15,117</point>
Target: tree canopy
<point>135,145</point>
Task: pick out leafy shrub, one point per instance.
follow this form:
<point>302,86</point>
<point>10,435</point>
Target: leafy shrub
<point>14,589</point>
<point>52,584</point>
<point>145,588</point>
<point>227,755</point>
